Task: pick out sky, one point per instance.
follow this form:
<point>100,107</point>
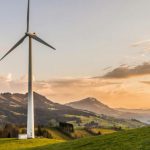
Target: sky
<point>109,40</point>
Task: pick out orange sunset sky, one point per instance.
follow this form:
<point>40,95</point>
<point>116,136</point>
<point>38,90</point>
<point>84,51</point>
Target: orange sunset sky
<point>124,86</point>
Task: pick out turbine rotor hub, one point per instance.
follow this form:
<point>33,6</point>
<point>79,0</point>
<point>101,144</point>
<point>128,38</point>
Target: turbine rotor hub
<point>30,34</point>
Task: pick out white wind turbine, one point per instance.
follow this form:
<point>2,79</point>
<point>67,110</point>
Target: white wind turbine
<point>30,113</point>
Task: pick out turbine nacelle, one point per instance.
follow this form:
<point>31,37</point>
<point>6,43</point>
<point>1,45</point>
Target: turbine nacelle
<point>30,34</point>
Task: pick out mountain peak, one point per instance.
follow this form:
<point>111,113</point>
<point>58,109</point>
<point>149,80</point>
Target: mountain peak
<point>93,105</point>
<point>86,101</point>
<point>90,100</point>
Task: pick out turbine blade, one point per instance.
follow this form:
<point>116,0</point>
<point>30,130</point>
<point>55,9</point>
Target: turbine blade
<point>16,45</point>
<point>28,15</point>
<point>41,41</point>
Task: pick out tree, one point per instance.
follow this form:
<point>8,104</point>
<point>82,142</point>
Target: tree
<point>39,131</point>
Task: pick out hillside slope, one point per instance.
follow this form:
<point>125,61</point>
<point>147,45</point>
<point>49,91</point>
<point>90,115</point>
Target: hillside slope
<point>137,139</point>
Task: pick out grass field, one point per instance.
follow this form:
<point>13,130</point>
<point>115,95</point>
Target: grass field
<point>15,144</point>
<point>137,139</point>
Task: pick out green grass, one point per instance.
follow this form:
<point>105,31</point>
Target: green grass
<point>15,144</point>
<point>136,139</point>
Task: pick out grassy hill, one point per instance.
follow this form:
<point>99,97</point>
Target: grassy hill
<point>136,139</point>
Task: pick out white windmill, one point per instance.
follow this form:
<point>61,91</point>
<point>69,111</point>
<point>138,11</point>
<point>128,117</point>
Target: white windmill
<point>30,113</point>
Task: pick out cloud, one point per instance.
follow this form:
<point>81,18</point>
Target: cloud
<point>107,68</point>
<point>9,77</point>
<point>114,92</point>
<point>58,89</point>
<point>145,82</point>
<point>8,84</point>
<point>141,43</point>
<point>126,72</point>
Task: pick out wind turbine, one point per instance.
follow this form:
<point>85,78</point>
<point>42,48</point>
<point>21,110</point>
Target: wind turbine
<point>30,112</point>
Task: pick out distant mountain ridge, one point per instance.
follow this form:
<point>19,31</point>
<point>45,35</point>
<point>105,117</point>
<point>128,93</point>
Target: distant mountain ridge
<point>94,105</point>
<point>13,109</point>
<point>134,110</point>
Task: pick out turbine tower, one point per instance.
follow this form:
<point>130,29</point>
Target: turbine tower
<point>30,111</point>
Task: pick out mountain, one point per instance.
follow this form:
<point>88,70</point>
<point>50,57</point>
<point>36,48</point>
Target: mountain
<point>140,111</point>
<point>13,109</point>
<point>94,105</point>
<point>141,114</point>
